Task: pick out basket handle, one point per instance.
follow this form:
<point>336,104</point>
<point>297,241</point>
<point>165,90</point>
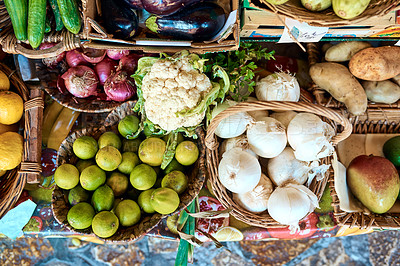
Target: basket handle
<point>282,106</point>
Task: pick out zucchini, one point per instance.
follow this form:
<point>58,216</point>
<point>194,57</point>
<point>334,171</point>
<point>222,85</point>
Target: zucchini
<point>36,22</point>
<point>70,15</point>
<point>18,12</point>
<point>57,15</point>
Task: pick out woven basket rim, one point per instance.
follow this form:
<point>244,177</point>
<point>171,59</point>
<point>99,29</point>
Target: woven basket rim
<point>222,194</point>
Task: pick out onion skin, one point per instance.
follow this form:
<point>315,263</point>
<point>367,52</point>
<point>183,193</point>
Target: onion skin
<point>93,56</point>
<point>81,81</point>
<point>104,69</point>
<point>117,54</point>
<point>75,58</point>
<point>119,87</point>
<point>129,63</point>
<point>51,62</point>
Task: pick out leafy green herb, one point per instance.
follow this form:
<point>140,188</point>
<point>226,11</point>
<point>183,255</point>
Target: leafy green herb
<point>239,65</point>
<point>186,224</point>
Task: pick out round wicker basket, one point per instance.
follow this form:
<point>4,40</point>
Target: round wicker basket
<point>327,18</point>
<point>224,196</point>
<point>60,203</point>
<point>13,182</point>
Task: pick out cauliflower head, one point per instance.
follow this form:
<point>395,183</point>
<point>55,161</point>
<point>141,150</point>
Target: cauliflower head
<point>172,86</point>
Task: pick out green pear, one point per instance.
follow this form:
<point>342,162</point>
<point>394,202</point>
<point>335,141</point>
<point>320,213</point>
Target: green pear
<point>374,181</point>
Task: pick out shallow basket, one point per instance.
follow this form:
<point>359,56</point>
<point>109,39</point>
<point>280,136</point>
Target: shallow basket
<point>322,97</point>
<point>327,18</point>
<point>60,203</point>
<point>224,196</point>
<point>13,182</point>
<point>386,121</point>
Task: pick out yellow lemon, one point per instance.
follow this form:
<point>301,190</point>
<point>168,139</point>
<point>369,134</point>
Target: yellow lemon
<point>4,82</point>
<point>11,107</point>
<point>11,148</point>
<point>228,233</point>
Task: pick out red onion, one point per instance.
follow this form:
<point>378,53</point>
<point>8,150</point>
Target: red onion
<point>129,63</point>
<point>75,58</point>
<point>104,68</point>
<point>51,62</point>
<point>117,54</point>
<point>61,86</point>
<point>119,87</point>
<point>93,56</point>
<point>81,81</point>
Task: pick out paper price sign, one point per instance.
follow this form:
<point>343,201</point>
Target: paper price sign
<point>302,32</point>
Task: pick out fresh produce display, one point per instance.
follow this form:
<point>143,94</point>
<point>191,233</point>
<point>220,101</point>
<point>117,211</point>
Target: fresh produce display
<point>31,20</point>
<point>122,185</point>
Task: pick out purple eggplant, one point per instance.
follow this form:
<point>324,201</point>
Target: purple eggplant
<point>198,22</point>
<point>135,4</point>
<point>166,7</point>
<point>119,20</point>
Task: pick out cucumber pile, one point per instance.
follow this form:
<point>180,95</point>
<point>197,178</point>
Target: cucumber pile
<point>31,22</point>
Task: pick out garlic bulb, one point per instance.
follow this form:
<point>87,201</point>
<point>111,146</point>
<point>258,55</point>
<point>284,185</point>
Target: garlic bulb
<point>239,171</point>
<point>286,168</point>
<point>233,125</point>
<point>278,87</point>
<point>256,114</point>
<point>236,142</point>
<point>289,204</point>
<point>310,137</point>
<point>256,200</point>
<point>267,137</point>
<point>284,117</point>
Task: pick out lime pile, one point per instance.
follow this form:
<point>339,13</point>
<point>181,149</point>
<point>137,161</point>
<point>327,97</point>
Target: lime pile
<point>117,180</point>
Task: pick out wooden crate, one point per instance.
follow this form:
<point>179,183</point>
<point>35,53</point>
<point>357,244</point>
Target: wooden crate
<point>263,24</point>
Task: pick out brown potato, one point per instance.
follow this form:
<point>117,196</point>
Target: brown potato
<point>344,51</point>
<point>376,64</point>
<point>381,91</point>
<point>341,84</point>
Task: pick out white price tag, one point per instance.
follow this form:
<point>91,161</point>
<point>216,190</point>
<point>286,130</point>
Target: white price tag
<point>302,32</point>
<point>397,43</point>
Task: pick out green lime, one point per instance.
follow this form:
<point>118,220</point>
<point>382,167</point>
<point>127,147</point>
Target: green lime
<point>174,165</point>
<point>105,224</point>
<point>164,200</point>
<point>81,215</point>
<point>103,199</point>
<point>151,151</point>
<point>144,201</point>
<point>85,147</point>
<point>148,133</point>
<point>92,177</point>
<point>143,177</point>
<point>128,212</point>
<point>128,125</point>
<point>129,161</point>
<point>109,139</point>
<point>131,145</point>
<point>82,164</point>
<point>391,150</point>
<point>187,153</point>
<point>172,223</point>
<point>118,183</point>
<point>108,158</point>
<point>77,194</point>
<point>175,180</point>
<point>66,176</point>
<point>116,202</point>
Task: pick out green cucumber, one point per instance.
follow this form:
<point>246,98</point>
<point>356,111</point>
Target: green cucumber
<point>36,22</point>
<point>57,15</point>
<point>70,15</point>
<point>18,12</point>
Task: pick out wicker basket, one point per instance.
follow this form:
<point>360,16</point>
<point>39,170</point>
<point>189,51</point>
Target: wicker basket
<point>13,182</point>
<point>327,18</point>
<point>224,196</point>
<point>386,121</point>
<point>60,203</point>
<point>322,97</point>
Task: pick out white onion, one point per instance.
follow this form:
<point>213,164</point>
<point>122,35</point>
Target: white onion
<point>236,142</point>
<point>310,137</point>
<point>284,117</point>
<point>256,200</point>
<point>233,125</point>
<point>239,171</point>
<point>289,204</point>
<point>267,137</point>
<point>256,114</point>
<point>278,87</point>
